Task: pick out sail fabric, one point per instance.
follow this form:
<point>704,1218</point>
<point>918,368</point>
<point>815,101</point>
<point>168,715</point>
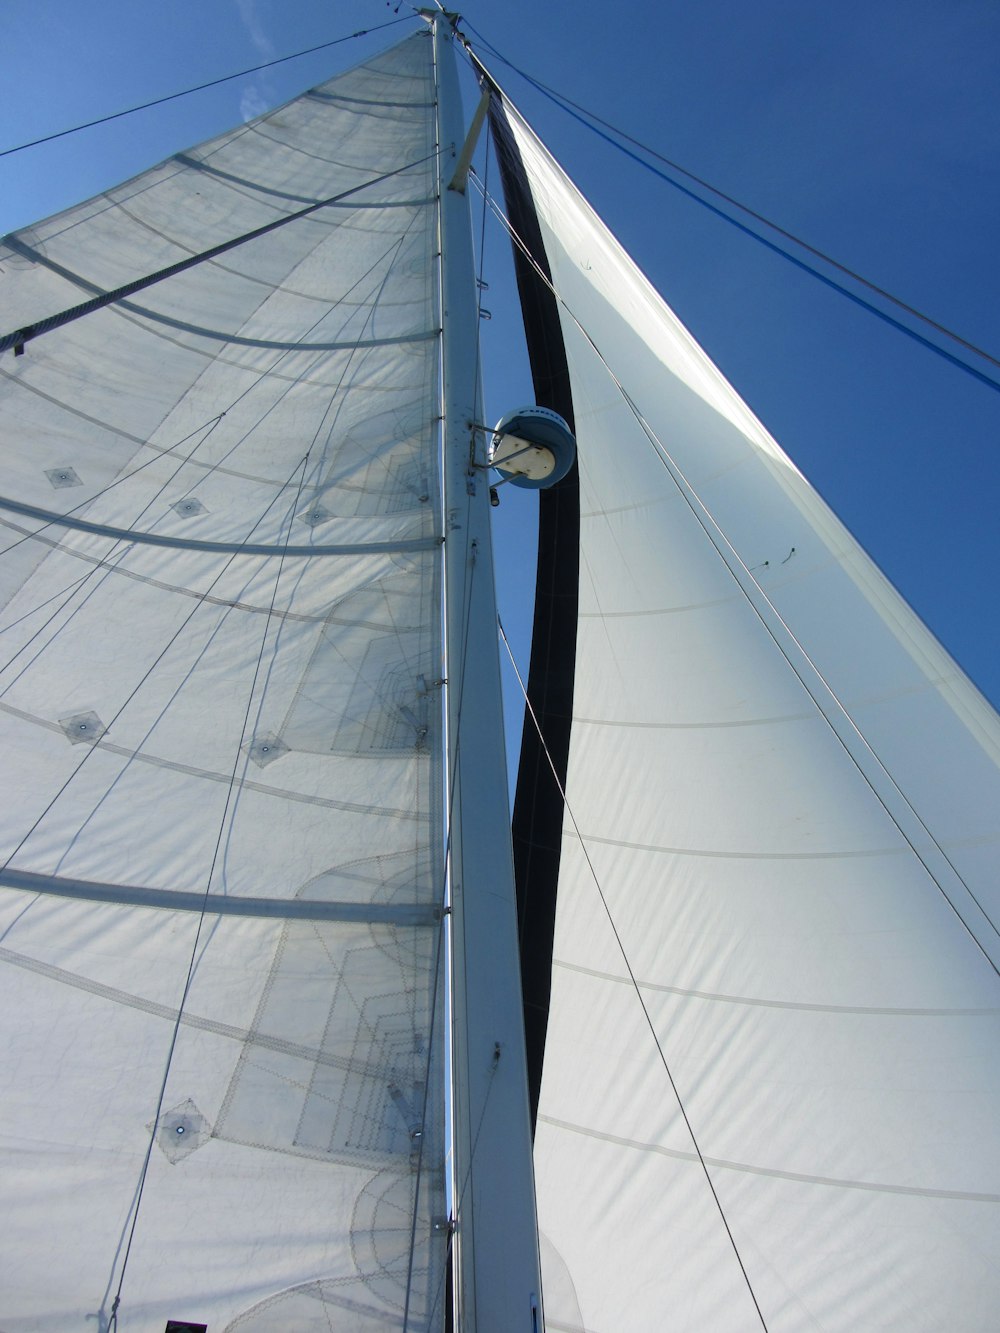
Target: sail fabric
<point>221,724</point>
<point>770,1096</point>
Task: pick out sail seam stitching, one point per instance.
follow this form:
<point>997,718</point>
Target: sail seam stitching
<point>796,1177</point>
<point>759,1002</point>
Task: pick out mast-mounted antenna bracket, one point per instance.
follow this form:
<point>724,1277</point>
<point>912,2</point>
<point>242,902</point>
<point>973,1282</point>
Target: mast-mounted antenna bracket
<point>479,431</point>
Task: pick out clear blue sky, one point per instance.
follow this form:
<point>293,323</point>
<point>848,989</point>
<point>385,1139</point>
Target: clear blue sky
<point>872,129</point>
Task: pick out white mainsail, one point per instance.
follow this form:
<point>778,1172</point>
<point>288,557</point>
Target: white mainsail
<point>222,725</point>
<point>768,1099</point>
<point>770,1095</point>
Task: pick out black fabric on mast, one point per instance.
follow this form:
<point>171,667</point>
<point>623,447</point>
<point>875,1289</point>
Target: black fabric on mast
<point>538,803</point>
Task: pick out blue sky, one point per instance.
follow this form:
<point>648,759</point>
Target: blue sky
<point>871,129</point>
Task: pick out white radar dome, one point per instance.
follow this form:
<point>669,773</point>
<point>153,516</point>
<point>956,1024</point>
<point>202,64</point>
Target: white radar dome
<point>532,447</point>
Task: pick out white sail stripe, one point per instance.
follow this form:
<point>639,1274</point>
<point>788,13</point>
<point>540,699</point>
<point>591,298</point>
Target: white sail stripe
<point>286,289</point>
<point>210,599</point>
<point>284,146</point>
<point>190,900</point>
<point>803,1005</point>
<point>903,692</point>
<point>244,182</point>
<point>244,1035</point>
<point>657,610</point>
<point>700,725</point>
<point>831,855</point>
<point>170,450</point>
<point>264,789</point>
<point>314,94</point>
<point>774,1173</point>
<point>48,516</point>
<point>273,344</point>
<point>773,584</point>
<point>217,335</point>
<point>76,411</point>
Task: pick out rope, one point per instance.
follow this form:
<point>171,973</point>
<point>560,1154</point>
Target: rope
<point>465,1184</point>
<point>92,749</point>
<point>738,567</point>
<point>19,337</point>
<point>423,1122</point>
<point>579,114</point>
<point>632,978</point>
<point>201,919</point>
<point>304,465</point>
<point>185,92</point>
<point>208,427</point>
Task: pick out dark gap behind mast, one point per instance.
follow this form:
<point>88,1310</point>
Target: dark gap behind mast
<point>538,803</point>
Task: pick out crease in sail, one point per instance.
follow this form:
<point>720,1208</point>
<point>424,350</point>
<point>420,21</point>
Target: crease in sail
<point>220,695</point>
<point>848,894</point>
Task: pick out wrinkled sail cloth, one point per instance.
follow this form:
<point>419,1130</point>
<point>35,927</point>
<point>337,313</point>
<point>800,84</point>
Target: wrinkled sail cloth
<point>221,654</point>
<point>770,1092</point>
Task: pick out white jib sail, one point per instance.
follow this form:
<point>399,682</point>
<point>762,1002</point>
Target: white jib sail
<point>221,733</point>
<point>771,1095</point>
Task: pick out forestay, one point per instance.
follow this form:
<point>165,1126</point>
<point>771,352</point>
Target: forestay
<point>770,1095</point>
<point>221,729</point>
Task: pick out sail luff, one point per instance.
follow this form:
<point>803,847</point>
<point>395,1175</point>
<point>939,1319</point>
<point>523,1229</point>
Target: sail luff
<point>497,1281</point>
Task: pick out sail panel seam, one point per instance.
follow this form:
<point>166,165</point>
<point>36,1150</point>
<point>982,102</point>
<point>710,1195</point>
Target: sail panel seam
<point>877,1011</point>
<point>245,1036</point>
<point>830,855</point>
<point>102,299</point>
<point>243,183</point>
<point>794,1177</point>
<point>317,95</point>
